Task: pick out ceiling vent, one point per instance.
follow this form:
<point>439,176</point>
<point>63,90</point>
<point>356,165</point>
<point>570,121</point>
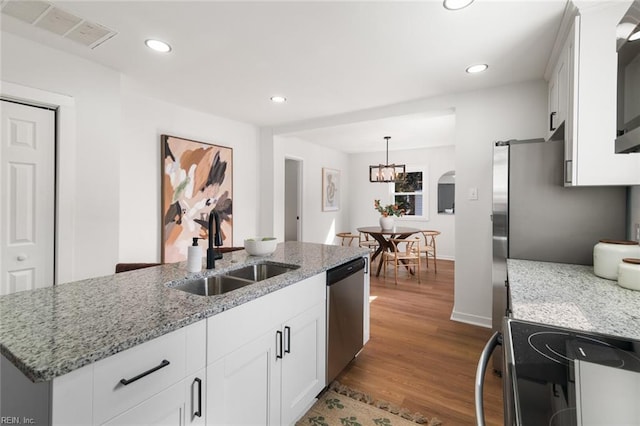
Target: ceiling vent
<point>45,15</point>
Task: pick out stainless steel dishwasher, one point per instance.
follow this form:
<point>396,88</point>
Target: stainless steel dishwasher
<point>345,308</point>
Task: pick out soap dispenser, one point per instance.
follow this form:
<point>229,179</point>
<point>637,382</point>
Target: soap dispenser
<point>194,257</point>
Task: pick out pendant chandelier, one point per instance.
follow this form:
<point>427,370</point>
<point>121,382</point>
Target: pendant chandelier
<point>386,172</point>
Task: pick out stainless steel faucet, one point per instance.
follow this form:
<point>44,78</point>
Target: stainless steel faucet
<point>214,238</point>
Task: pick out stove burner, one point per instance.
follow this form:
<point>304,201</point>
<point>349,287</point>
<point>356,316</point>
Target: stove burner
<point>564,348</point>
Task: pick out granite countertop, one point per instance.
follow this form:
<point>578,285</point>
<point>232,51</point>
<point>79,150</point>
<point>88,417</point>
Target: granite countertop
<point>572,296</point>
<point>52,331</point>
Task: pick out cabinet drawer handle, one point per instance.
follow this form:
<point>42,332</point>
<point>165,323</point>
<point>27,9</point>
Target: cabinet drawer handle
<point>551,128</point>
<point>287,339</point>
<point>198,413</point>
<point>163,364</point>
<point>279,344</point>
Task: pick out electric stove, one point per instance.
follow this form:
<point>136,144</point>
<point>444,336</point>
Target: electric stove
<point>562,377</point>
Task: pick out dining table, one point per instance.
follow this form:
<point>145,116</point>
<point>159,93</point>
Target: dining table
<point>383,236</point>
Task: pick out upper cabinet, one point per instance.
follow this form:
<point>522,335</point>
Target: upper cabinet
<point>559,89</point>
<point>582,98</point>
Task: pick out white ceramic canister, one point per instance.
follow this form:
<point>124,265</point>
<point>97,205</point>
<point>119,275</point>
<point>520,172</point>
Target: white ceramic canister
<point>629,273</point>
<point>608,254</point>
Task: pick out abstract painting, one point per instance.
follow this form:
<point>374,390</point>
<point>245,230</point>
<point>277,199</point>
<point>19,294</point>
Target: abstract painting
<point>196,178</point>
<point>330,189</point>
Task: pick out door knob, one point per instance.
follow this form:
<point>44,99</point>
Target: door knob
<point>22,257</point>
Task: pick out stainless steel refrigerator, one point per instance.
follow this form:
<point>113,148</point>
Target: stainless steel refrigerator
<point>536,218</point>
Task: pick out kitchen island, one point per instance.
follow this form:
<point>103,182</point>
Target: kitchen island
<point>572,296</point>
<point>122,348</point>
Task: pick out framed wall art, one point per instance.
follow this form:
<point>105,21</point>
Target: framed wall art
<point>197,177</point>
<point>330,190</point>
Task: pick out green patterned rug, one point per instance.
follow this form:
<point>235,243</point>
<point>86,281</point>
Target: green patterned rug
<point>339,405</point>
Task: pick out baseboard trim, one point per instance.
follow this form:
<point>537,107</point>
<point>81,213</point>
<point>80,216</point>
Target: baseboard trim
<point>446,258</point>
<point>471,319</point>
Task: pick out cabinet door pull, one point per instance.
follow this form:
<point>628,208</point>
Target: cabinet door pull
<point>163,364</point>
<point>287,339</point>
<point>553,114</point>
<point>198,413</point>
<point>279,344</point>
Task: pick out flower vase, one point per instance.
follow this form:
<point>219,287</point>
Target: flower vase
<point>386,222</point>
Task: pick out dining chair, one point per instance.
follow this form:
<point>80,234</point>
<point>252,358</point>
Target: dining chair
<point>406,252</point>
<point>346,238</point>
<point>365,240</point>
<point>429,247</point>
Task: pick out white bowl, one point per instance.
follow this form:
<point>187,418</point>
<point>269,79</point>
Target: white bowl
<point>260,246</point>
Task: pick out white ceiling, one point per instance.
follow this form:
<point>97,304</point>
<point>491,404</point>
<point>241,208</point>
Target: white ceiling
<point>327,57</point>
<point>424,130</point>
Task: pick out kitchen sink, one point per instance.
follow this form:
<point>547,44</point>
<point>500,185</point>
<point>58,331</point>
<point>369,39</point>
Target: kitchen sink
<point>233,280</point>
<point>211,286</point>
<point>260,271</point>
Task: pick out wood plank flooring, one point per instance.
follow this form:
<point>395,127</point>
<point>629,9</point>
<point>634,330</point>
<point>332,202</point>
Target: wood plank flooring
<point>417,357</point>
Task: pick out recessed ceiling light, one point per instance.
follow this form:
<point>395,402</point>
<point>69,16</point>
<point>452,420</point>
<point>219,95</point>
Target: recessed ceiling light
<point>635,36</point>
<point>158,46</point>
<point>278,99</point>
<point>456,4</point>
<point>474,69</point>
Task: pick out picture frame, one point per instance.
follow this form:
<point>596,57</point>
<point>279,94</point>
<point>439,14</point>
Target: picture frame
<point>196,177</point>
<point>330,189</point>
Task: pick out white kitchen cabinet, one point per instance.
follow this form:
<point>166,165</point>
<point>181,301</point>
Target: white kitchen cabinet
<point>589,61</point>
<point>95,395</point>
<point>239,385</point>
<point>150,368</point>
<point>303,362</point>
<point>552,108</point>
<point>178,405</point>
<point>195,398</point>
<point>164,409</point>
<point>267,358</point>
<point>273,379</point>
<point>559,91</point>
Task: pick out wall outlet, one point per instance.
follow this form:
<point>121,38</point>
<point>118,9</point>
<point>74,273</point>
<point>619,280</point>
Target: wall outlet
<point>473,193</point>
<point>636,232</point>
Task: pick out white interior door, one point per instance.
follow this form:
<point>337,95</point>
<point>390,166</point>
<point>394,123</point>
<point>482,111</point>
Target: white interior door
<point>27,197</point>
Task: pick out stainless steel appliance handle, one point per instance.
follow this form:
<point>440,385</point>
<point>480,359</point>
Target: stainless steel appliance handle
<point>482,368</point>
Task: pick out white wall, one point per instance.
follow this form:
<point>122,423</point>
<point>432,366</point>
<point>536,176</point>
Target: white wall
<point>266,173</point>
<point>483,117</point>
<point>143,121</point>
<point>116,191</point>
<point>516,111</point>
<point>317,226</point>
<point>94,193</point>
<point>362,192</point>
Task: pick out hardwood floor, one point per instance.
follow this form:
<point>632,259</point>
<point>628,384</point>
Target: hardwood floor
<point>417,357</point>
